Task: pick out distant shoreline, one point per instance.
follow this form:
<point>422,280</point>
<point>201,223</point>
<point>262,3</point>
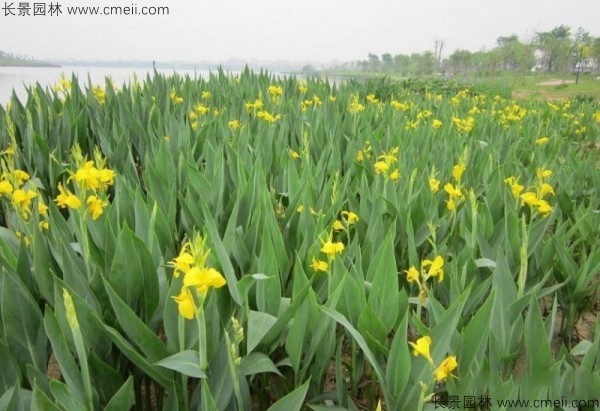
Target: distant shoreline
<point>30,64</point>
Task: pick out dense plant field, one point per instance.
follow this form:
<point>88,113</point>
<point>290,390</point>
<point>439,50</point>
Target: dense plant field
<point>246,242</point>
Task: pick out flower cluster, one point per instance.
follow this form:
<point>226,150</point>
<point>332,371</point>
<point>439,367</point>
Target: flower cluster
<point>175,98</point>
<point>534,198</point>
<point>92,181</point>
<point>348,218</point>
<point>268,117</point>
<point>355,107</point>
<point>99,94</point>
<point>444,370</point>
<point>436,269</point>
<point>464,124</point>
<point>16,186</point>
<point>385,163</point>
<point>275,92</point>
<point>197,277</point>
<point>455,194</point>
<point>314,102</point>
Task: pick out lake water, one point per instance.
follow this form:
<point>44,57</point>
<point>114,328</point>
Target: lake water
<point>16,78</point>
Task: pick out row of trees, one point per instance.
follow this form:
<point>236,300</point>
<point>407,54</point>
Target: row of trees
<point>555,51</point>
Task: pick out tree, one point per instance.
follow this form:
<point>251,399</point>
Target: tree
<point>583,42</point>
<point>556,48</point>
<point>388,61</point>
<point>595,53</point>
<point>460,60</point>
<point>374,62</point>
<point>402,64</point>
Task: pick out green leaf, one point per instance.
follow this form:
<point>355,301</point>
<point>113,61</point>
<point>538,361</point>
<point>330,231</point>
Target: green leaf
<point>10,371</point>
<point>64,397</point>
<point>256,363</point>
<point>293,401</point>
<point>133,274</point>
<point>259,324</point>
<point>40,401</point>
<point>222,256</point>
<point>397,373</point>
<point>383,296</point>
<point>208,402</point>
<point>68,367</point>
<point>581,348</point>
<point>361,343</point>
<point>22,322</point>
<point>160,376</point>
<point>123,399</point>
<point>148,342</point>
<point>374,331</point>
<point>186,362</point>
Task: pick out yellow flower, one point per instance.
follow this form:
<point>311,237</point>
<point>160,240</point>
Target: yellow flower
<point>529,198</point>
<point>293,154</point>
<point>268,117</point>
<point>205,95</point>
<point>10,151</point>
<point>66,198</point>
<point>337,225</point>
<point>542,140</point>
<point>544,208</point>
<point>44,225</point>
<point>457,171</point>
<point>381,167</point>
<point>275,91</point>
<point>20,176</point>
<point>100,94</point>
<point>395,176</point>
<point>434,184</point>
<point>185,303</point>
<point>515,187</point>
<point>436,268</point>
<point>6,187</point>
<point>546,189</point>
<point>319,265</point>
<point>412,275</point>
<point>435,124</point>
<point>372,99</point>
<point>107,178</point>
<point>42,208</point>
<point>175,98</point>
<point>203,279</point>
<point>453,192</point>
<point>95,206</point>
<point>451,205</point>
<point>300,208</point>
<point>234,125</point>
<point>351,217</point>
<point>22,198</point>
<point>421,347</point>
<point>182,263</point>
<point>445,369</point>
<point>88,177</point>
<point>543,173</point>
<point>201,109</point>
<point>330,248</point>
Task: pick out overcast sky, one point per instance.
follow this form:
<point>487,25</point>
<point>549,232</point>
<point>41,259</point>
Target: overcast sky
<point>315,30</point>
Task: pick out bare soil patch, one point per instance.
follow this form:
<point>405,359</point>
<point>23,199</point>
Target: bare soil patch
<point>555,82</point>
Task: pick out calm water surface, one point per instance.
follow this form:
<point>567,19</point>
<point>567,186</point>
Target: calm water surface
<point>18,78</point>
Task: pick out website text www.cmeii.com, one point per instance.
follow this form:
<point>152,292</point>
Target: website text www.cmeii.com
<point>454,402</point>
<point>29,9</point>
